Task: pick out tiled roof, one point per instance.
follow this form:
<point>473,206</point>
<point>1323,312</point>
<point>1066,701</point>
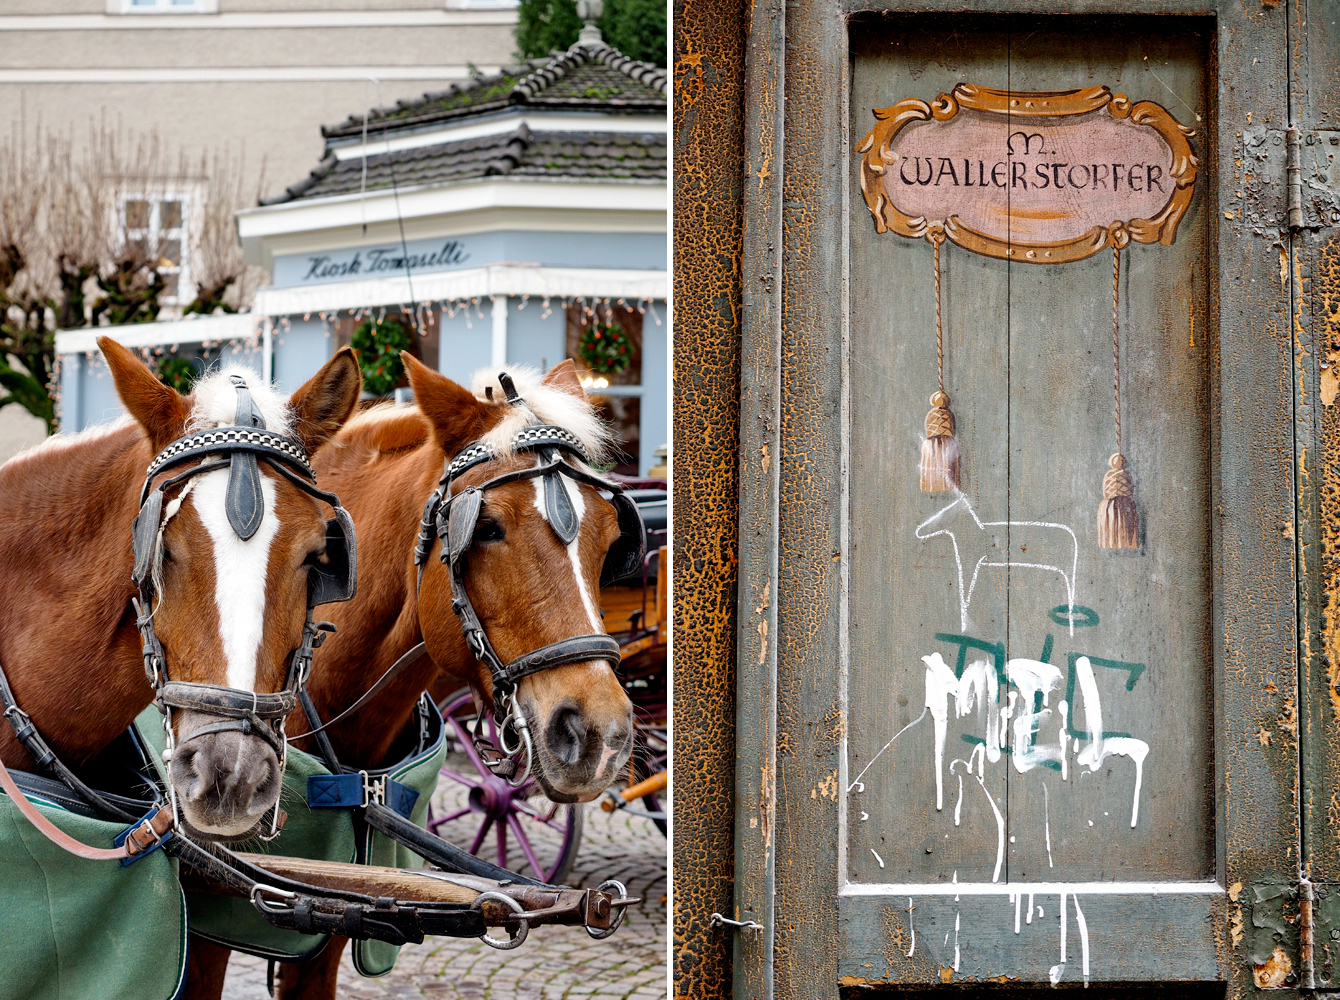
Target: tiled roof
<point>590,77</point>
<point>521,153</point>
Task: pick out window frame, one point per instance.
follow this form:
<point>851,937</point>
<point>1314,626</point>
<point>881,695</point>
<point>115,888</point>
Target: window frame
<point>185,292</point>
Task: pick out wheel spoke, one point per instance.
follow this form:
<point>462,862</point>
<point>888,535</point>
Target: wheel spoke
<point>449,817</point>
<point>479,837</point>
<point>468,745</point>
<point>465,780</point>
<point>502,845</point>
<point>526,849</point>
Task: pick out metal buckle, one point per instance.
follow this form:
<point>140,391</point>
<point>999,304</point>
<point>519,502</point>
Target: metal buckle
<point>521,916</point>
<point>374,789</point>
<point>616,918</point>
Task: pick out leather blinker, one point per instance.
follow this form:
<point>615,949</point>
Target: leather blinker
<point>558,508</point>
<point>144,534</point>
<point>626,555</point>
<point>461,521</point>
<point>245,501</point>
<point>337,578</point>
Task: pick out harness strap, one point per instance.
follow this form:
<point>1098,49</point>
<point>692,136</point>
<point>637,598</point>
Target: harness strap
<point>46,758</point>
<point>412,657</point>
<point>576,649</point>
<point>149,834</point>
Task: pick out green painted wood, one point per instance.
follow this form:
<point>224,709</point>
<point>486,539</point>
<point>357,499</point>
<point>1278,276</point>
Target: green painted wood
<point>1241,413</point>
<point>760,446</point>
<point>1153,606</point>
<point>963,941</point>
<point>809,712</point>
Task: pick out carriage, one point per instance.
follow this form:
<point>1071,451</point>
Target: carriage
<point>276,801</point>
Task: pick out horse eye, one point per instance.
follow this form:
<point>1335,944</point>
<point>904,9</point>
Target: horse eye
<point>317,558</point>
<point>488,531</point>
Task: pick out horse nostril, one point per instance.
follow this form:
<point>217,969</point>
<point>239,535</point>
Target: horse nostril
<point>566,734</point>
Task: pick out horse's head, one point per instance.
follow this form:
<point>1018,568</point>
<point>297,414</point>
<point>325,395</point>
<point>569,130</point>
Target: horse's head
<point>529,587</point>
<point>228,610</point>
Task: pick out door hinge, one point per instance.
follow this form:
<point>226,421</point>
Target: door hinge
<point>1293,172</point>
<point>1295,936</point>
<point>1289,180</point>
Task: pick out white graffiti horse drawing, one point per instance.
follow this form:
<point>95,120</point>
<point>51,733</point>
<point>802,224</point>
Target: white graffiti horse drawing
<point>1043,545</point>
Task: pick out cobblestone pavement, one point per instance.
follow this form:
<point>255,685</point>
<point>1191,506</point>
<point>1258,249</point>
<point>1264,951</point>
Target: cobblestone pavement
<point>555,963</point>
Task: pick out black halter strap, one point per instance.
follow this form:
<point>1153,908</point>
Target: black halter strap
<point>451,518</point>
<point>239,448</point>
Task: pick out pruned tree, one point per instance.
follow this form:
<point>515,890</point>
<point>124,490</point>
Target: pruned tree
<point>224,281</point>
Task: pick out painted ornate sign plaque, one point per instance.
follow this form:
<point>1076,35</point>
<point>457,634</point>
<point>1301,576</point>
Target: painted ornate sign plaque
<point>1040,177</point>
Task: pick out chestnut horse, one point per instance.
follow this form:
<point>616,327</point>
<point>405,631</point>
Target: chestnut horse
<point>227,612</point>
<point>528,588</point>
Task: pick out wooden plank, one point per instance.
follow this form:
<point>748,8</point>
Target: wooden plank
<point>760,463</point>
<point>370,880</point>
<point>1147,625</point>
<point>1255,667</point>
<point>905,803</point>
<point>708,110</point>
<point>811,723</point>
<point>1315,281</point>
<point>1123,938</point>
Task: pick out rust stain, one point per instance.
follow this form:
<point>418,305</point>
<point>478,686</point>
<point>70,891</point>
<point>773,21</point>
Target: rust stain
<point>1263,737</point>
<point>1002,979</point>
<point>1284,271</point>
<point>1235,929</point>
<point>1272,974</point>
<point>854,981</point>
<point>946,974</point>
<point>1234,891</point>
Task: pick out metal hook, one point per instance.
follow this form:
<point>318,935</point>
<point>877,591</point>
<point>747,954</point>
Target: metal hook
<point>717,920</point>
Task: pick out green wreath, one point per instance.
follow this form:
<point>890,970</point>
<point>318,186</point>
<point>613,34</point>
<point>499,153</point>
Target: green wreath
<point>379,344</point>
<point>605,349</point>
<point>177,372</point>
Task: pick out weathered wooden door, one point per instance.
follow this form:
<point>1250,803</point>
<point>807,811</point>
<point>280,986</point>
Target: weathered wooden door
<point>1046,370</point>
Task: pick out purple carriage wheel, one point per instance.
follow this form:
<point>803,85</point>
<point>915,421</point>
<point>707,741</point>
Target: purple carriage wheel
<point>530,834</point>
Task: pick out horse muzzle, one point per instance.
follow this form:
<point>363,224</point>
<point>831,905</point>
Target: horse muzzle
<point>578,754</point>
<point>226,777</point>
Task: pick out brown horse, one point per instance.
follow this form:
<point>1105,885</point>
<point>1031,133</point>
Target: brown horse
<point>228,612</point>
<point>528,588</point>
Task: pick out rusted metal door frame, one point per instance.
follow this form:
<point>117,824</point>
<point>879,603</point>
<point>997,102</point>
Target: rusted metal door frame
<point>798,152</point>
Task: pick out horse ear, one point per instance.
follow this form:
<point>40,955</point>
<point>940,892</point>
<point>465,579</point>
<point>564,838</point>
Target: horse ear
<point>321,407</point>
<point>160,409</point>
<point>456,416</point>
<point>564,376</point>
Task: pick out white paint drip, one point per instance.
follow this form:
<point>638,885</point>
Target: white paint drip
<point>912,927</point>
<point>979,541</point>
<point>1018,900</point>
<point>886,746</point>
<point>1124,746</point>
<point>1057,971</point>
<point>958,806</point>
<point>877,857</point>
<point>1047,823</point>
<point>864,816</point>
<point>977,688</point>
<point>1083,938</point>
<point>1029,920</point>
<point>239,573</point>
<point>956,952</point>
<point>1000,830</point>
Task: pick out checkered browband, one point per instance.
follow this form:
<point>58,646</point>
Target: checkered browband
<point>531,438</point>
<point>231,439</point>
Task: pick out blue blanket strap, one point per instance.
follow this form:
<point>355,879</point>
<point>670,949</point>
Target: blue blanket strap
<point>345,791</point>
<point>120,838</point>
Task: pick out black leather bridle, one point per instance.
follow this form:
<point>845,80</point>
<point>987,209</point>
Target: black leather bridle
<point>451,518</point>
<point>245,444</point>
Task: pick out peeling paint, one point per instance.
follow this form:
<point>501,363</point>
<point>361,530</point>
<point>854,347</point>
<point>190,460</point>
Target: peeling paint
<point>1235,928</point>
<point>1274,972</point>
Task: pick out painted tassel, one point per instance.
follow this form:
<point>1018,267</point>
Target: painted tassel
<point>1118,516</point>
<point>939,452</point>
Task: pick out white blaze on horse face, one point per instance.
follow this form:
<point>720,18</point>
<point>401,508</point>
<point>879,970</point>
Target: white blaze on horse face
<point>574,553</point>
<point>240,569</point>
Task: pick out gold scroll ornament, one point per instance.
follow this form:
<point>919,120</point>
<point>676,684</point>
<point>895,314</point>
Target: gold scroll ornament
<point>1043,178</point>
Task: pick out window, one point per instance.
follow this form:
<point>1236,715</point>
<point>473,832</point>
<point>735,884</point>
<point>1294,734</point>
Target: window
<point>162,6</point>
<point>154,227</point>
